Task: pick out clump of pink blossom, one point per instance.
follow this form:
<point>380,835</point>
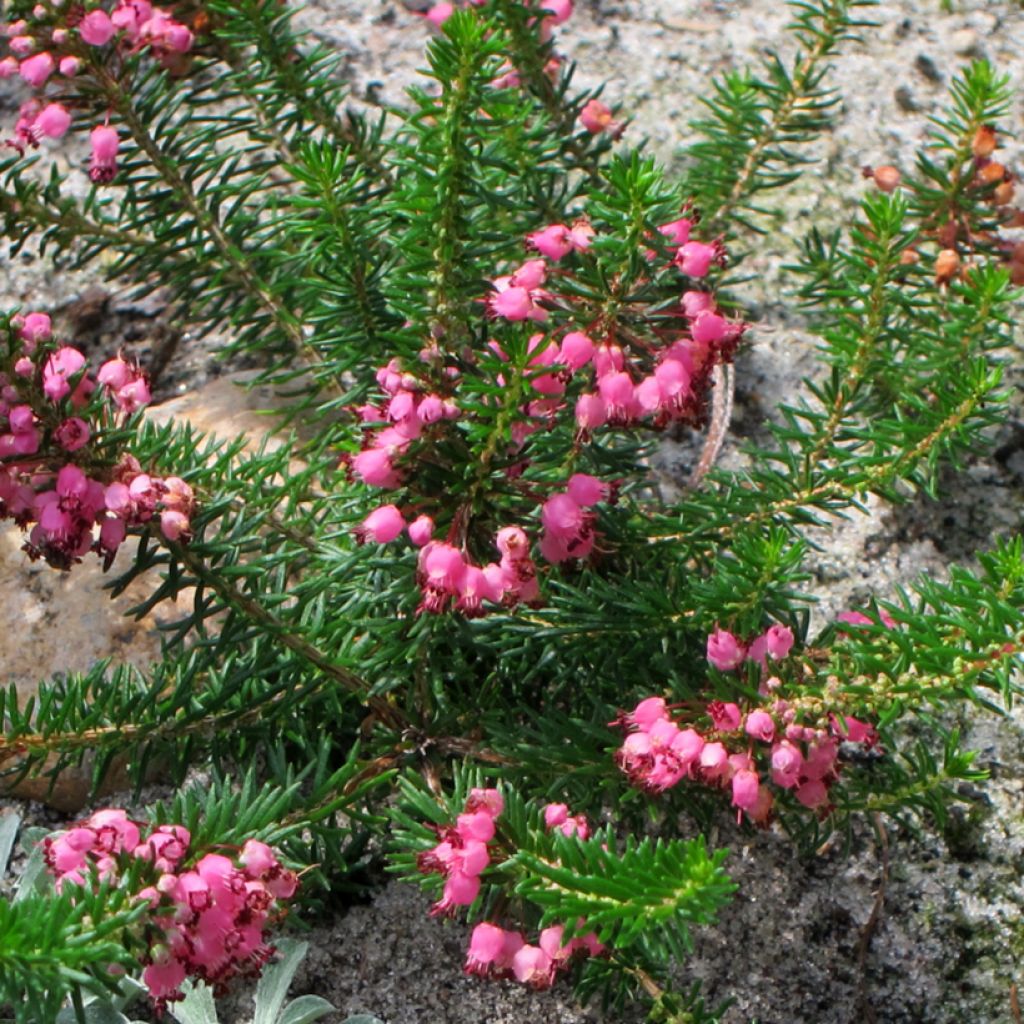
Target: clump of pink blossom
<point>209,912</point>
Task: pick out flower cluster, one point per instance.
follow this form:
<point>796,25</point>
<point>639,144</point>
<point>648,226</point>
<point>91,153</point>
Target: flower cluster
<point>496,952</point>
<point>461,853</point>
<point>741,750</point>
<point>59,41</point>
<point>208,916</point>
<point>51,478</point>
<point>422,419</point>
<point>726,652</point>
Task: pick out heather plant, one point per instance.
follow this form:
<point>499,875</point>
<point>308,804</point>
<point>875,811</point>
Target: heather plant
<point>453,623</point>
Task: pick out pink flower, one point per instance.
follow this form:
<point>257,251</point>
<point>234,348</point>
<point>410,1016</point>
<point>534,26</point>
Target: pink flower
<point>591,412</point>
<point>96,28</point>
<point>532,966</point>
<point>376,468</point>
<point>53,121</point>
<point>586,490</point>
<point>647,712</point>
<point>553,242</point>
<point>745,787</point>
<point>555,815</point>
<point>812,793</point>
<point>69,66</point>
<point>439,13</point>
<point>36,328</point>
<point>512,303</point>
<point>421,529</point>
<point>677,232</point>
<point>37,69</point>
<point>489,800</point>
<point>695,258</point>
<point>787,762</point>
<point>562,517</point>
<point>381,526</point>
<point>725,717</point>
<point>854,731</point>
<point>724,650</point>
<point>485,947</point>
<point>560,10</point>
<point>760,726</point>
<point>596,117</point>
<point>72,434</point>
<point>779,641</point>
<point>105,145</point>
<point>62,364</point>
<point>708,327</point>
<point>695,303</point>
<point>576,350</point>
<point>174,524</point>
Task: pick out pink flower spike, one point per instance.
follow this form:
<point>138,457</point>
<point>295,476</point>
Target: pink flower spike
<point>724,651</point>
<point>96,28</point>
<point>381,526</point>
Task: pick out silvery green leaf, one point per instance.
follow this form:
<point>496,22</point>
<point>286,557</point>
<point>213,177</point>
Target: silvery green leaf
<point>96,1012</point>
<point>8,830</point>
<point>197,1007</point>
<point>276,979</point>
<point>34,877</point>
<point>305,1010</point>
<point>31,837</point>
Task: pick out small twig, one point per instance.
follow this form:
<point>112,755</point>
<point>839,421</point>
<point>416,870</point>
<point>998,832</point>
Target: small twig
<point>867,1012</point>
<point>724,380</point>
<point>1014,1004</point>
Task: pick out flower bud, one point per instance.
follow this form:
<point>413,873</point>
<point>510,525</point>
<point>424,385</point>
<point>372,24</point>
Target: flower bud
<point>887,178</point>
<point>947,263</point>
<point>984,142</point>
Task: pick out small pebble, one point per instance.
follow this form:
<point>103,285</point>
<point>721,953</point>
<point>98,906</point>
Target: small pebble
<point>905,99</point>
<point>927,67</point>
<point>966,43</point>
